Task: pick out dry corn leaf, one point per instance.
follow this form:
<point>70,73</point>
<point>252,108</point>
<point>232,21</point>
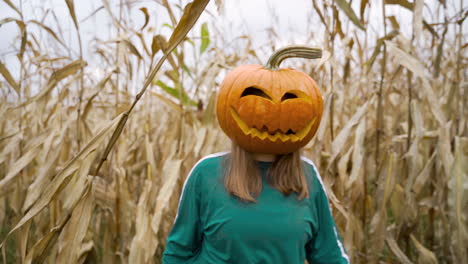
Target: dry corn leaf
<point>425,255</point>
<point>23,237</point>
<point>10,80</point>
<point>418,19</point>
<point>346,8</point>
<point>341,139</point>
<point>168,101</point>
<point>158,43</point>
<point>9,148</point>
<point>398,203</point>
<point>353,236</point>
<point>393,245</point>
<point>115,21</point>
<point>71,9</point>
<point>325,117</point>
<point>43,176</point>
<point>49,30</point>
<point>358,154</point>
<point>61,178</point>
<point>431,148</point>
<point>125,198</point>
<point>144,242</point>
<point>74,231</point>
<point>35,254</point>
<point>415,161</point>
<point>8,136</point>
<point>444,148</point>
<point>378,48</point>
<point>104,194</point>
<point>192,12</point>
<point>83,251</point>
<point>99,87</point>
<point>145,12</point>
<point>77,185</point>
<point>132,48</point>
<point>418,69</point>
<point>404,3</point>
<point>457,201</point>
<point>209,115</point>
<point>410,6</point>
<point>377,225</point>
<point>150,155</point>
<point>141,37</point>
<point>417,119</point>
<point>2,210</point>
<point>394,22</point>
<point>343,170</point>
<point>16,168</point>
<point>171,170</point>
<point>336,202</point>
<point>200,135</point>
<point>9,3</point>
<point>55,78</point>
<point>219,6</point>
<point>423,177</point>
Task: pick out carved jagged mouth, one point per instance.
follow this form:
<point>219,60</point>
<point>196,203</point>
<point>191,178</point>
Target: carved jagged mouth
<point>263,133</point>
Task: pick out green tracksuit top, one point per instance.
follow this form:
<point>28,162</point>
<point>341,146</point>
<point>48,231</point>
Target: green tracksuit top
<point>213,227</point>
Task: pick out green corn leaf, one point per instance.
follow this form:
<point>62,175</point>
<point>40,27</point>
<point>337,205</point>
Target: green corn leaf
<point>174,92</point>
<point>205,38</point>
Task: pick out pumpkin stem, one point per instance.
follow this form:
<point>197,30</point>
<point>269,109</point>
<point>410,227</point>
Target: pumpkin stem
<point>292,52</point>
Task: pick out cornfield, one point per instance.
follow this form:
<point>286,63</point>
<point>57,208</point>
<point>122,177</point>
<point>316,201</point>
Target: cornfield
<point>96,138</point>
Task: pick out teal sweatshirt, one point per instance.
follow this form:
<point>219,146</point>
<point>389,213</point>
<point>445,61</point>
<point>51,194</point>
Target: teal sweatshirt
<point>213,227</point>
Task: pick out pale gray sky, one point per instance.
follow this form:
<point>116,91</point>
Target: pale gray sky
<point>294,20</point>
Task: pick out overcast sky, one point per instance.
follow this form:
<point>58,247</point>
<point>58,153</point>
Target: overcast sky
<point>294,20</point>
<point>237,18</point>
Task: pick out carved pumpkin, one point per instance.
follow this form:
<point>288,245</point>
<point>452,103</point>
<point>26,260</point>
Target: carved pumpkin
<point>269,110</point>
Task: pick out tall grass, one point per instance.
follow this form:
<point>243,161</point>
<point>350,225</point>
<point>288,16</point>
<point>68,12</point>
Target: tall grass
<point>89,174</point>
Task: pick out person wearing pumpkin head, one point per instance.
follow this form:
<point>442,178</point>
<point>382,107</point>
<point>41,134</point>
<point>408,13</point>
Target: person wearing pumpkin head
<point>261,202</point>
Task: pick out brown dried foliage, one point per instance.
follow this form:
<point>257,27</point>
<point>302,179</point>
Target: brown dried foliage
<point>392,146</point>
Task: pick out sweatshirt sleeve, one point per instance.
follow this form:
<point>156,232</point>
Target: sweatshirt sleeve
<point>185,237</point>
<point>326,247</point>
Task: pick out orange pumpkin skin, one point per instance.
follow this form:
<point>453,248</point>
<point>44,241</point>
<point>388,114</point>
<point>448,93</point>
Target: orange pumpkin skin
<point>275,123</point>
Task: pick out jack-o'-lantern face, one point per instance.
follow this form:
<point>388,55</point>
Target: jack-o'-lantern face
<point>269,111</point>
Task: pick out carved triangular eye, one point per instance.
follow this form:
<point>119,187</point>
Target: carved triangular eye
<point>287,96</point>
<point>256,92</point>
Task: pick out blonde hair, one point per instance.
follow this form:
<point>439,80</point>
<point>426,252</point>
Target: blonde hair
<point>242,177</point>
